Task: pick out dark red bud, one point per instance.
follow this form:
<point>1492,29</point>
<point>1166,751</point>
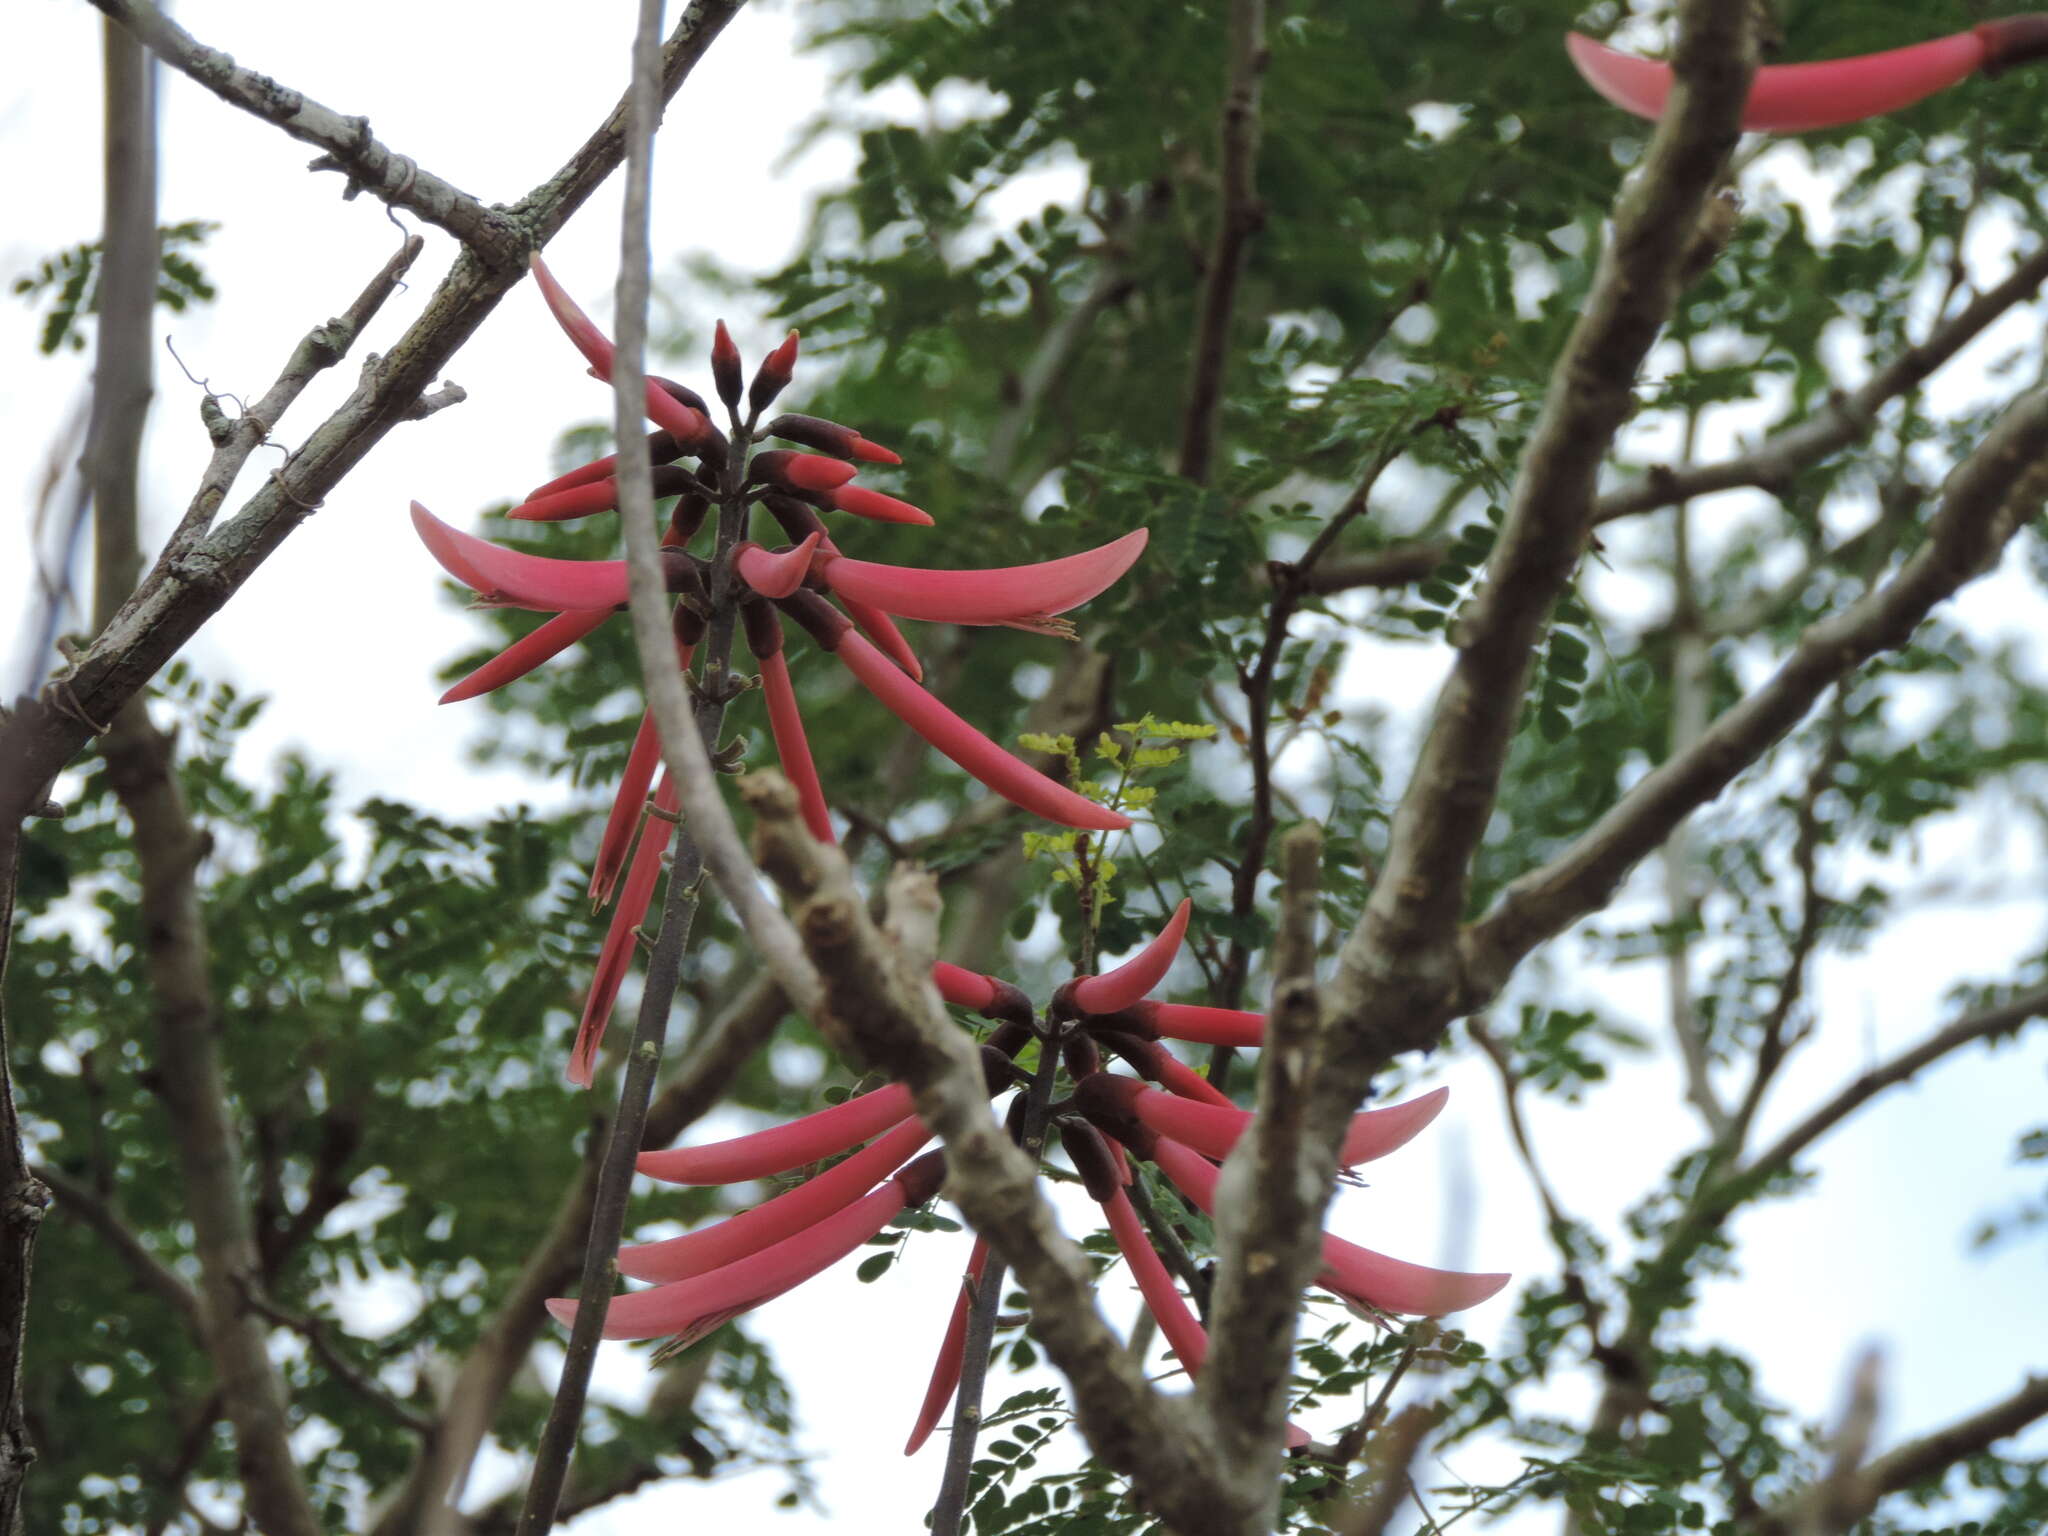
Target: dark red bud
<point>921,1179</point>
<point>1010,1036</point>
<point>997,1070</point>
<point>1106,1101</point>
<point>688,624</point>
<point>1091,1158</point>
<point>764,629</point>
<point>1011,1006</point>
<point>775,372</point>
<point>799,519</point>
<point>2012,41</point>
<point>686,519</point>
<point>725,366</point>
<point>824,623</point>
<point>1082,1055</point>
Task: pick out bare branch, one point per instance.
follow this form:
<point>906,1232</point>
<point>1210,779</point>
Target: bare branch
<point>1410,923</point>
<point>1239,218</point>
<point>347,1372</point>
<point>1915,1462</point>
<point>182,593</point>
<point>1845,417</point>
<point>78,1202</point>
<point>496,237</point>
<point>1990,497</point>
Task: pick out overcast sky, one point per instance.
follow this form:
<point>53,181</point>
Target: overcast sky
<point>346,624</point>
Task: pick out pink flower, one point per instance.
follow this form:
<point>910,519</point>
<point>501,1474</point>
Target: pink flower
<point>1797,98</point>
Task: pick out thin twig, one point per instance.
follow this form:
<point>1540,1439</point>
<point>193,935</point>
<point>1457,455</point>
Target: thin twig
<point>350,148</point>
<point>1237,220</point>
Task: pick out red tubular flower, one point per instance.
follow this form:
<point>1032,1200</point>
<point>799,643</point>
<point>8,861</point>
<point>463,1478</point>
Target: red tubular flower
<point>952,1351</point>
<point>962,988</point>
<point>785,724</point>
<point>523,655</point>
<point>1136,976</point>
<point>1012,594</point>
<point>617,954</point>
<point>1169,1308</point>
<point>1355,1273</point>
<point>1196,1024</point>
<point>782,1147</point>
<point>873,505</point>
<point>798,471</point>
<point>1213,1129</point>
<point>1796,98</point>
<point>1016,781</point>
<point>505,578</point>
<point>712,1247</point>
<point>596,494</point>
<point>641,761</point>
<point>688,1310</point>
<point>1156,1062</point>
<point>686,422</point>
<point>662,448</point>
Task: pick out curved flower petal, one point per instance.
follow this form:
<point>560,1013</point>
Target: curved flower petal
<point>1202,1025</point>
<point>782,1147</point>
<point>691,1309</point>
<point>1355,1273</point>
<point>792,748</point>
<point>661,449</point>
<point>774,574</point>
<point>709,1248</point>
<point>952,1351</point>
<point>1118,989</point>
<point>1214,1129</point>
<point>1184,1334</point>
<point>617,956</point>
<point>1015,781</point>
<point>687,423</point>
<point>627,804</point>
<point>987,596</point>
<point>1795,98</point>
<point>513,580</point>
<point>528,652</point>
<point>874,506</point>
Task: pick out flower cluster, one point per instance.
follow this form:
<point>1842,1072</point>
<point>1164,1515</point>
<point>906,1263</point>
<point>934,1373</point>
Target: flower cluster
<point>848,607</point>
<point>1184,1127</point>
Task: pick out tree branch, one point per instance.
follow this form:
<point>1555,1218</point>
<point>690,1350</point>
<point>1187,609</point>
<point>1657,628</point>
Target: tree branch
<point>495,236</point>
<point>877,1009</point>
<point>77,1201</point>
<point>1845,418</point>
<point>1990,497</point>
<point>1239,218</point>
<point>172,604</point>
<point>1853,1497</point>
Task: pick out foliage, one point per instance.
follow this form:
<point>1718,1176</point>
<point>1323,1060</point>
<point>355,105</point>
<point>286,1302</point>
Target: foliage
<point>1005,288</point>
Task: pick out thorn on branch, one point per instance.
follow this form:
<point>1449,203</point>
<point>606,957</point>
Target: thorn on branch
<point>448,394</point>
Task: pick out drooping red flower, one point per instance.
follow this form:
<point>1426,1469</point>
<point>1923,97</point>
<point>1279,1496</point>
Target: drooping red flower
<point>847,606</point>
<point>1798,98</point>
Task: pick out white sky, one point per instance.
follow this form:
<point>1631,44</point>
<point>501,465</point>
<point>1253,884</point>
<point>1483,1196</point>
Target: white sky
<point>344,627</point>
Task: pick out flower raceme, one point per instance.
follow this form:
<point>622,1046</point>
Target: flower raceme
<point>1798,98</point>
<point>1184,1127</point>
<point>847,607</point>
